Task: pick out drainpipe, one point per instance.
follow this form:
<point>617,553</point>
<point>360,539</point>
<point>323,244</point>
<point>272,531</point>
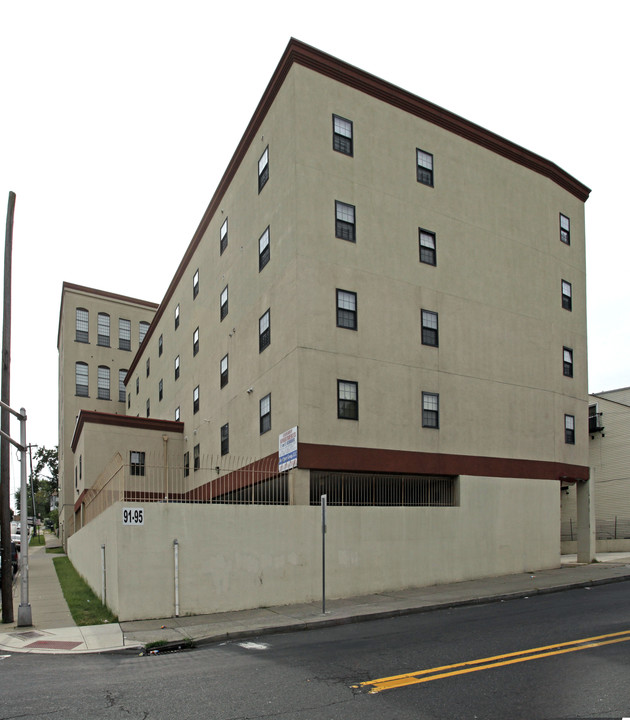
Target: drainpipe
<point>165,441</point>
<point>176,558</point>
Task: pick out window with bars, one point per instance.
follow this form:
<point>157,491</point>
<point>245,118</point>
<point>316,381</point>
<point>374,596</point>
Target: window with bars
<point>160,390</point>
<point>196,457</point>
<point>122,374</point>
<point>428,249</point>
<point>177,367</point>
<point>81,379</point>
<point>264,332</point>
<point>160,345</point>
<point>142,330</point>
<point>224,371</point>
<point>103,383</point>
<point>345,225</point>
<point>567,362</point>
<point>82,326</point>
<point>223,302</point>
<point>177,414</point>
<point>430,410</point>
<point>176,316</point>
<point>567,295</point>
<point>264,250</point>
<point>124,334</point>
<point>424,162</point>
<point>346,309</point>
<point>195,284</point>
<point>223,237</point>
<point>565,229</point>
<point>102,326</point>
<point>347,400</point>
<point>195,341</point>
<point>429,328</point>
<point>569,429</point>
<point>263,169</point>
<point>136,463</point>
<point>225,439</point>
<point>196,400</point>
<point>265,414</point>
<point>186,464</point>
<point>342,135</point>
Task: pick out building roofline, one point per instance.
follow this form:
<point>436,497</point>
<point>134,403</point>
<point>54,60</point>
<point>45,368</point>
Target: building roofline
<point>300,53</point>
<point>129,421</point>
<point>68,286</point>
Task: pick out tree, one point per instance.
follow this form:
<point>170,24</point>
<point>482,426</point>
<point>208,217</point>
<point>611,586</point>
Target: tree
<point>42,483</point>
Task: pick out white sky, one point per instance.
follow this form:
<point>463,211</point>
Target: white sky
<point>118,119</point>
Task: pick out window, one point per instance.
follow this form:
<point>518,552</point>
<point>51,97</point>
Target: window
<point>177,414</point>
<point>425,167</point>
<point>103,330</point>
<point>224,302</point>
<point>122,374</point>
<point>565,229</point>
<point>176,317</point>
<point>80,467</point>
<point>195,284</point>
<point>264,332</point>
<point>128,401</point>
<point>196,400</point>
<point>81,379</point>
<point>345,221</point>
<point>148,366</point>
<point>569,429</point>
<point>160,345</point>
<point>263,169</point>
<point>148,407</point>
<point>196,457</point>
<point>265,414</point>
<point>83,325</point>
<point>430,410</point>
<point>224,371</point>
<point>195,341</point>
<point>137,385</point>
<point>567,362</point>
<point>103,383</point>
<point>347,400</point>
<point>263,250</point>
<point>427,247</point>
<point>124,334</point>
<point>143,328</point>
<point>429,328</point>
<point>177,367</point>
<point>136,463</point>
<point>342,135</point>
<point>223,237</point>
<point>160,390</point>
<point>567,299</point>
<point>346,309</point>
<point>225,439</point>
<point>186,464</point>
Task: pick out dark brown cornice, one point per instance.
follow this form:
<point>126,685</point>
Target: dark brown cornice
<point>302,54</point>
<point>102,418</point>
<point>354,459</point>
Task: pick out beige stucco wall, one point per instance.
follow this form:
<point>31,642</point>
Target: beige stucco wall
<point>235,557</point>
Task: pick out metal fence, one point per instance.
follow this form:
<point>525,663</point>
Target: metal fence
<point>616,528</point>
<point>210,480</point>
<point>383,489</point>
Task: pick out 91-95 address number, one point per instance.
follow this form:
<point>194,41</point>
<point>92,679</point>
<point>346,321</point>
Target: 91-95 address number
<point>133,516</point>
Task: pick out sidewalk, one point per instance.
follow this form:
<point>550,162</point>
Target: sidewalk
<point>43,638</point>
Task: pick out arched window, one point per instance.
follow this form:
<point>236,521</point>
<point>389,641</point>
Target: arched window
<point>81,379</point>
<point>103,382</point>
<point>83,325</point>
<point>144,326</point>
<point>103,329</point>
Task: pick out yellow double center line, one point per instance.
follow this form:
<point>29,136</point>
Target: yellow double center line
<point>437,673</point>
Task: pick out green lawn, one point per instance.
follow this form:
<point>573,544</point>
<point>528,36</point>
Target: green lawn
<point>37,540</point>
<point>85,607</point>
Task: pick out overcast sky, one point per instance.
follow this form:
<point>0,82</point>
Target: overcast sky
<point>118,119</point>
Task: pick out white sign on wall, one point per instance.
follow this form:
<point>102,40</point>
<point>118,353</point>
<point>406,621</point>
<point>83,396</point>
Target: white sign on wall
<point>133,516</point>
<point>288,449</point>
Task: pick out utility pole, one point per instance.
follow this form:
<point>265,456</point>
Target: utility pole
<point>5,392</point>
<point>30,455</point>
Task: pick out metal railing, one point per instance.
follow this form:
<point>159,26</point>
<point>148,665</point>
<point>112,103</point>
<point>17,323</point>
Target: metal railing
<point>616,528</point>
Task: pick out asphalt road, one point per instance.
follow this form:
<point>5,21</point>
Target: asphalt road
<point>565,655</point>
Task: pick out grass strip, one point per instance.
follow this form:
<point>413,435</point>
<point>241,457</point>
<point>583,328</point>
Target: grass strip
<point>37,540</point>
<point>85,607</point>
<point>56,550</point>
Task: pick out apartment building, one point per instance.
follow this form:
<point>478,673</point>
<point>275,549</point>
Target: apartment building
<point>404,288</point>
<point>99,334</point>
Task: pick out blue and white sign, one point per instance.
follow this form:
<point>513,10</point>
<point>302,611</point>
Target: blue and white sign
<point>288,449</point>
